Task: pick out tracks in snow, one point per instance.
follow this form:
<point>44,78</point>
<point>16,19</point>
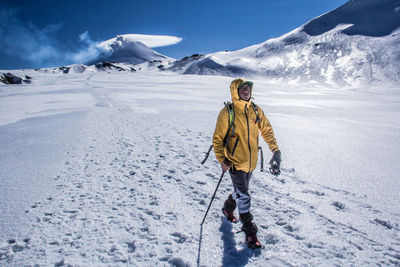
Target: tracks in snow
<point>134,192</point>
<point>122,201</point>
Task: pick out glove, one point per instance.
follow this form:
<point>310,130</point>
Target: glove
<point>225,165</point>
<point>275,163</point>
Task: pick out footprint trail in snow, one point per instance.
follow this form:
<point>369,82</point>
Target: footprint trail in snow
<point>137,194</point>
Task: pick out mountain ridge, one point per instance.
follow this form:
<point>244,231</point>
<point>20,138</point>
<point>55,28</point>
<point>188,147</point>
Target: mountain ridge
<point>328,49</point>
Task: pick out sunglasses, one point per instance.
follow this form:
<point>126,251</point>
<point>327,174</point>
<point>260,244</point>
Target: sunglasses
<point>244,87</point>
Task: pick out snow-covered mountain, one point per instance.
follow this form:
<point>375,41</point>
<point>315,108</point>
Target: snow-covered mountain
<point>126,49</point>
<point>355,43</point>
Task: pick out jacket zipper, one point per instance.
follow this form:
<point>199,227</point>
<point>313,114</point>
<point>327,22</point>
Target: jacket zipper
<point>234,147</point>
<point>248,135</point>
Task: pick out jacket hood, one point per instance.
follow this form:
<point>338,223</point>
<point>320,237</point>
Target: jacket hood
<point>235,86</point>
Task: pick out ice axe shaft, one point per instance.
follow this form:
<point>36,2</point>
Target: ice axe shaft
<point>212,199</point>
<point>262,159</point>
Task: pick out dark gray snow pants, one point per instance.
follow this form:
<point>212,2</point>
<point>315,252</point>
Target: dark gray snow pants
<point>240,181</point>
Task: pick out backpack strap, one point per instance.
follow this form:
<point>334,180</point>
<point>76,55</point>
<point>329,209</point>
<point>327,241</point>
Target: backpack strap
<point>231,112</point>
<point>231,123</point>
<point>256,111</point>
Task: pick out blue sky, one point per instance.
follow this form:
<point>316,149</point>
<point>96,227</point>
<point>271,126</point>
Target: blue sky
<point>43,33</point>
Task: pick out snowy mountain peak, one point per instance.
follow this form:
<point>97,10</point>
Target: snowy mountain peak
<point>368,17</point>
<point>124,49</point>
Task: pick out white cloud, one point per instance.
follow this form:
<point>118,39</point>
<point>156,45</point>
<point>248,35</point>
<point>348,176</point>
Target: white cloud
<point>149,40</point>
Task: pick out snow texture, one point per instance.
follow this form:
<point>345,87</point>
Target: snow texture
<point>103,169</point>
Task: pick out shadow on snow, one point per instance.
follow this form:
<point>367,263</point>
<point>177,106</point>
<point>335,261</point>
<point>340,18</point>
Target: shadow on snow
<point>232,256</point>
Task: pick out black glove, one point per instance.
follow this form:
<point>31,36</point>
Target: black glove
<point>275,163</point>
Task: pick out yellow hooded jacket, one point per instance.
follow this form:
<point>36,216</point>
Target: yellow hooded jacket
<point>242,150</point>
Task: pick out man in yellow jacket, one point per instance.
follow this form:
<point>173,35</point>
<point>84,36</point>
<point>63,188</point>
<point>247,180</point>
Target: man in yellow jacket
<point>236,149</point>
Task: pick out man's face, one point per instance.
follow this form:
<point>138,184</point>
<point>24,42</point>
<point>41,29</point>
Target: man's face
<point>244,92</point>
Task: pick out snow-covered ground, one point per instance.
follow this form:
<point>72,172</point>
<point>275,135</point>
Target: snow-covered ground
<point>104,169</point>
